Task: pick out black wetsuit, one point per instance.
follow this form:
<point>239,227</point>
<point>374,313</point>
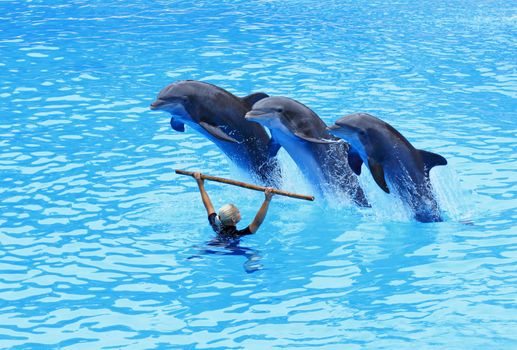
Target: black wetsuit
<point>230,232</point>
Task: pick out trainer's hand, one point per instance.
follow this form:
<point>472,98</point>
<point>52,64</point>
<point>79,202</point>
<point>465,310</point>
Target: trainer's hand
<point>198,178</point>
<point>269,193</point>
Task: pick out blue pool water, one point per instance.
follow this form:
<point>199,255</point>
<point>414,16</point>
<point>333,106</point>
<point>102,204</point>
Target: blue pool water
<point>102,246</point>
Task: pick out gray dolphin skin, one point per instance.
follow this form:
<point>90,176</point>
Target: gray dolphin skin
<point>320,157</point>
<point>219,116</point>
<point>393,162</point>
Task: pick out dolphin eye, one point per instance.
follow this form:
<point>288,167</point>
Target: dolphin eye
<point>280,110</point>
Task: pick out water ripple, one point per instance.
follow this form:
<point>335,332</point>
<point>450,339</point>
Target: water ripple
<point>104,247</point>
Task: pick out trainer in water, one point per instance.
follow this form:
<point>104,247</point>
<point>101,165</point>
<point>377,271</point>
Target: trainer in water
<point>219,116</point>
<point>304,136</point>
<point>224,223</point>
<point>394,163</point>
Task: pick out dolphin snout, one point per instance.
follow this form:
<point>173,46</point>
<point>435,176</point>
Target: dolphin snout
<point>156,104</point>
<point>253,114</point>
<point>334,130</point>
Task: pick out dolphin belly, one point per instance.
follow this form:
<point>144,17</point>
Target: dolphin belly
<point>322,172</point>
<point>305,159</point>
<point>247,156</point>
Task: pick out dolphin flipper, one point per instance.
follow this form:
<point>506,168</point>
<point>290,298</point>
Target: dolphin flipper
<point>315,140</point>
<point>217,132</point>
<point>378,174</point>
<point>178,126</point>
<point>354,161</point>
<point>273,148</point>
<point>252,98</point>
<point>431,159</point>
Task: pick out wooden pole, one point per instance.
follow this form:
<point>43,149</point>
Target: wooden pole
<point>246,185</point>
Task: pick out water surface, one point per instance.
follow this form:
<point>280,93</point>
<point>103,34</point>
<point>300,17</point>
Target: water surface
<point>103,246</point>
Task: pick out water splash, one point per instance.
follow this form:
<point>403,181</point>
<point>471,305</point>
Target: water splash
<point>455,202</point>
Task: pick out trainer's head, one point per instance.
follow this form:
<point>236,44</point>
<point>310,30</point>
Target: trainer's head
<point>229,215</point>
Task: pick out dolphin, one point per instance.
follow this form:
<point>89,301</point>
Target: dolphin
<point>393,162</point>
<point>219,116</point>
<point>319,155</point>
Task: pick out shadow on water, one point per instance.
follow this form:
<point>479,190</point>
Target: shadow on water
<point>224,247</point>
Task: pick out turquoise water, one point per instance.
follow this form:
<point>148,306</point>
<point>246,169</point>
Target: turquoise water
<point>104,247</point>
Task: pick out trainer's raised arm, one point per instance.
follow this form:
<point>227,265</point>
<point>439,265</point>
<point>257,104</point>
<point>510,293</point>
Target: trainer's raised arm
<point>261,214</point>
<point>204,196</point>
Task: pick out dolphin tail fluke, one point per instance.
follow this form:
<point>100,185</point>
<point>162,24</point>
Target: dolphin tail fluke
<point>378,174</point>
<point>251,99</point>
<point>431,159</point>
<point>217,132</point>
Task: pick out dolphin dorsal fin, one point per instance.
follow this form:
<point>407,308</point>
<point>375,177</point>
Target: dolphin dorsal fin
<point>178,126</point>
<point>354,161</point>
<point>273,147</point>
<point>378,174</point>
<point>251,99</point>
<point>431,159</point>
<point>217,132</point>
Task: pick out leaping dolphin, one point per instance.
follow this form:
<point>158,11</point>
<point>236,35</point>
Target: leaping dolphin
<point>393,162</point>
<point>320,157</point>
<point>219,116</point>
